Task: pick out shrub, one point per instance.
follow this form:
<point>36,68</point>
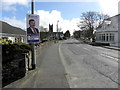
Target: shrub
<point>12,58</point>
<point>11,50</point>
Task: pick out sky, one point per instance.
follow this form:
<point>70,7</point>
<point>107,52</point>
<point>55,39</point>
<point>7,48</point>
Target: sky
<point>68,12</point>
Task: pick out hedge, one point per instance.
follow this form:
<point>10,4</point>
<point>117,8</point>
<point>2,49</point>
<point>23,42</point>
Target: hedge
<point>12,53</point>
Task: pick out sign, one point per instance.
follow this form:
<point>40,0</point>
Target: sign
<point>32,22</point>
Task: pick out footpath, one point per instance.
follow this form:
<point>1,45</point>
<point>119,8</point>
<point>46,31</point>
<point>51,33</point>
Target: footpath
<point>112,47</point>
<point>50,72</point>
<point>104,46</point>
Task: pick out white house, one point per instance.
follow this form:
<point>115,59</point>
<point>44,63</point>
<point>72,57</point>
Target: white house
<point>11,33</point>
<point>109,31</point>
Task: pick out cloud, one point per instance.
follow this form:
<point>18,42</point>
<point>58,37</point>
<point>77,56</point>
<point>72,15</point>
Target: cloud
<point>14,22</point>
<point>47,17</point>
<point>8,4</point>
<point>65,0</point>
<point>70,25</point>
<point>20,2</point>
<point>109,7</point>
<point>119,7</point>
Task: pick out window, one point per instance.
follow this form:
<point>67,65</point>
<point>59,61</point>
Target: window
<point>112,37</point>
<point>100,37</point>
<point>106,37</point>
<point>103,37</point>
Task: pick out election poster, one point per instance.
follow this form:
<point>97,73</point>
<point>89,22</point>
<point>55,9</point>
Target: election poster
<point>32,33</point>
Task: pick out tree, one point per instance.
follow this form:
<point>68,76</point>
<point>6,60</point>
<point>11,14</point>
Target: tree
<point>90,21</point>
<point>77,34</point>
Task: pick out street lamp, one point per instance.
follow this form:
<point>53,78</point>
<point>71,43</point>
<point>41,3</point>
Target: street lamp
<point>57,28</point>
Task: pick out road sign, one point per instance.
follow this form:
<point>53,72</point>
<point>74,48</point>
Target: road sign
<point>32,22</point>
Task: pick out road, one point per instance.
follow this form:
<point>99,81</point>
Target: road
<point>89,66</point>
<point>73,64</point>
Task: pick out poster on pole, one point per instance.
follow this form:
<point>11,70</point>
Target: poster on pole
<point>32,22</point>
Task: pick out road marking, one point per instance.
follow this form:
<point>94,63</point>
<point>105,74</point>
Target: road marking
<point>104,55</point>
<point>108,56</point>
<point>85,48</point>
<point>65,66</point>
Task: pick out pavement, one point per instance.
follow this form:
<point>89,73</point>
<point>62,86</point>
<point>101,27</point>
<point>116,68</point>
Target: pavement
<point>112,47</point>
<point>109,47</point>
<point>50,73</point>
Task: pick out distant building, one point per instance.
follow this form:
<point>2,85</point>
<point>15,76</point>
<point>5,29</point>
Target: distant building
<point>11,33</point>
<point>67,34</point>
<point>54,35</point>
<point>109,31</point>
<point>58,35</point>
<point>50,31</point>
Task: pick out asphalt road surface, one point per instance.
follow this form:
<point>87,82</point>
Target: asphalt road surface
<point>89,66</point>
<point>73,64</point>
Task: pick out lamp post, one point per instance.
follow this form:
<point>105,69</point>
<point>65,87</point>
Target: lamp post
<point>57,29</point>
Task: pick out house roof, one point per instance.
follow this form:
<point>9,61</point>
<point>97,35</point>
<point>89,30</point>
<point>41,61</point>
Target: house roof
<point>7,28</point>
<point>112,17</point>
<point>107,19</point>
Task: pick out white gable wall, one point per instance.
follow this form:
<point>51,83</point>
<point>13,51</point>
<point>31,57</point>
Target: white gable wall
<point>108,33</point>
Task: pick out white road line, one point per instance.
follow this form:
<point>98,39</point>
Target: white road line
<point>85,48</point>
<point>103,54</point>
<point>65,66</point>
<point>108,56</point>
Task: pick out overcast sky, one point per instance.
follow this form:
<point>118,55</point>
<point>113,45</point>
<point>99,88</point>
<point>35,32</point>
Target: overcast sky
<point>68,12</point>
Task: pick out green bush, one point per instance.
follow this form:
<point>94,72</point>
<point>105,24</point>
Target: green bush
<point>2,41</point>
<point>12,50</point>
<point>44,40</point>
<point>12,56</point>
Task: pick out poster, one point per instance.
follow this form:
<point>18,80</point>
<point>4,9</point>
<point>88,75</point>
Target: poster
<point>32,22</point>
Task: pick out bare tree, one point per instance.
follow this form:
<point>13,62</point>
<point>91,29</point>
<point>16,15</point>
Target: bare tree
<point>90,21</point>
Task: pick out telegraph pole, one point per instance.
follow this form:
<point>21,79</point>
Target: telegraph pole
<point>33,45</point>
<point>32,7</point>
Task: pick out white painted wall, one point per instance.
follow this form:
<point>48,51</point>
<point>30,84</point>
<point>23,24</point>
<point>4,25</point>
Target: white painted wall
<point>112,28</point>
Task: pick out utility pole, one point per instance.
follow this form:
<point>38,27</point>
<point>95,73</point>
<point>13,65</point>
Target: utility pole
<point>57,29</point>
<point>79,35</point>
<point>33,45</point>
<point>32,7</point>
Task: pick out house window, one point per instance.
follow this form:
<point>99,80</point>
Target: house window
<point>103,37</point>
<point>106,37</point>
<point>99,37</point>
<point>112,37</point>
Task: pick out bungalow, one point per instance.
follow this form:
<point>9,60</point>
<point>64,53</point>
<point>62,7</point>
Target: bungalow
<point>109,31</point>
<point>11,33</point>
